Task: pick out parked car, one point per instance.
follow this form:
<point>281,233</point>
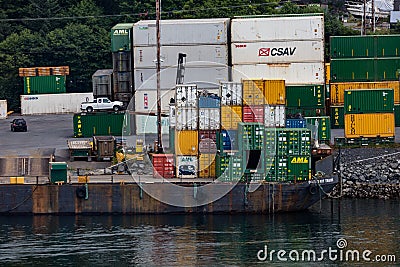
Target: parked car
<point>19,125</point>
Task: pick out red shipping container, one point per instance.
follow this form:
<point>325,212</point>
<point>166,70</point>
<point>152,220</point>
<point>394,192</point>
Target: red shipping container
<point>208,141</point>
<point>253,114</point>
<point>163,165</point>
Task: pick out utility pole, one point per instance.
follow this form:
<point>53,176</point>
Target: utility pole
<point>158,66</point>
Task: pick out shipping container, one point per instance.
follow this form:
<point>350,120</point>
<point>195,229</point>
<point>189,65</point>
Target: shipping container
<point>253,92</point>
<point>292,141</point>
<point>274,116</point>
<point>101,123</point>
<point>199,55</point>
<point>126,97</point>
<point>250,136</point>
<point>163,165</point>
<point>299,168</point>
<point>146,100</point>
<point>208,141</point>
<point>231,93</point>
<point>186,166</point>
<point>104,147</point>
<point>172,115</point>
<point>230,117</point>
<point>209,118</point>
<point>186,143</point>
<point>102,83</point>
<point>397,115</point>
<point>293,73</point>
<point>122,61</point>
<point>320,127</point>
<point>171,139</point>
<point>296,123</point>
<point>121,37</point>
<point>203,77</point>
<point>277,52</point>
<point>369,125</point>
<point>253,113</point>
<point>207,166</point>
<point>327,73</point>
<point>258,29</point>
<point>44,85</point>
<point>122,82</point>
<point>148,124</point>
<point>186,95</point>
<point>305,96</point>
<point>229,168</point>
<point>304,112</point>
<point>227,140</point>
<point>369,101</point>
<point>274,92</point>
<point>209,101</point>
<point>387,45</point>
<point>182,32</point>
<point>187,118</point>
<point>337,117</point>
<point>364,69</point>
<point>337,89</point>
<point>44,71</point>
<point>53,103</point>
<point>3,109</point>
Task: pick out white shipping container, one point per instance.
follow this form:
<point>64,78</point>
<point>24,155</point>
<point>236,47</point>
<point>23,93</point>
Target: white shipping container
<point>172,116</point>
<point>3,109</point>
<point>231,93</point>
<point>53,103</point>
<point>182,32</point>
<point>274,116</point>
<point>292,73</point>
<point>209,118</point>
<point>278,28</point>
<point>186,118</point>
<point>148,124</point>
<point>186,95</point>
<point>278,52</point>
<point>186,166</point>
<point>146,100</point>
<point>201,55</point>
<point>203,77</point>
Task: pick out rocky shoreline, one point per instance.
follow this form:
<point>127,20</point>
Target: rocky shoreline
<point>369,173</point>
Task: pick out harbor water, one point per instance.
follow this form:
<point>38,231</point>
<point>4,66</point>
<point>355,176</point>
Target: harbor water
<point>370,227</point>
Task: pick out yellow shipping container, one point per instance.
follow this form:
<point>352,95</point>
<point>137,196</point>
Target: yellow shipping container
<point>207,166</point>
<point>327,73</point>
<point>253,91</point>
<point>274,92</point>
<point>186,143</point>
<point>369,125</point>
<point>337,89</point>
<point>230,117</point>
<point>17,180</point>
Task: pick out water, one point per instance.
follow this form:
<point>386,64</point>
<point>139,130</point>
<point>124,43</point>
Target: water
<point>201,240</point>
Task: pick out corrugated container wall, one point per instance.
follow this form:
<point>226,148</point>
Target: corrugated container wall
<point>186,166</point>
<point>163,165</point>
<point>304,112</point>
<point>182,32</point>
<point>102,123</point>
<point>3,109</point>
<point>293,73</point>
<point>102,83</point>
<point>201,55</point>
<point>186,95</point>
<point>368,101</point>
<point>121,37</point>
<point>208,141</point>
<point>187,118</point>
<point>53,103</point>
<point>211,101</point>
<point>148,124</point>
<point>274,116</point>
<point>251,136</point>
<point>324,127</point>
<point>209,118</point>
<point>369,125</point>
<point>230,117</point>
<point>327,73</point>
<point>186,142</point>
<point>253,114</point>
<point>44,85</point>
<point>231,93</point>
<point>122,61</point>
<point>274,92</point>
<point>207,165</point>
<point>337,117</point>
<point>253,91</point>
<point>308,96</point>
<point>296,123</point>
<point>308,27</point>
<point>277,52</point>
<point>337,89</point>
<point>397,115</point>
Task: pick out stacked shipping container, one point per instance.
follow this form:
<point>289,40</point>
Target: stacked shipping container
<point>44,80</point>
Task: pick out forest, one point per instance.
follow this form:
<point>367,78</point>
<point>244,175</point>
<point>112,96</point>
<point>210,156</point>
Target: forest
<point>76,33</point>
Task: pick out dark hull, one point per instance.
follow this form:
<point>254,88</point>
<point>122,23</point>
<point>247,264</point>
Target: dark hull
<point>106,198</point>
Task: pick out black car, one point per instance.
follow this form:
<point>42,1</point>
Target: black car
<point>19,125</point>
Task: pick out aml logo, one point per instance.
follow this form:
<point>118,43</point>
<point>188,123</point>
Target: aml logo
<point>121,32</point>
<point>276,51</point>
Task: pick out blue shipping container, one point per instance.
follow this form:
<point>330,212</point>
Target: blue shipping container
<point>296,123</point>
<point>229,139</point>
<point>209,102</point>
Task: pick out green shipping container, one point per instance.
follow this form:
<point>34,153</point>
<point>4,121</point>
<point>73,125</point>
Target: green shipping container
<point>293,141</point>
<point>53,84</point>
<point>58,172</point>
<point>229,168</point>
<point>397,115</point>
<point>251,136</point>
<point>121,37</point>
<point>90,124</point>
<point>305,112</point>
<point>352,46</point>
<point>388,45</point>
<point>305,96</point>
<point>368,101</point>
<point>337,117</point>
<point>365,69</point>
<point>324,127</point>
<point>288,168</point>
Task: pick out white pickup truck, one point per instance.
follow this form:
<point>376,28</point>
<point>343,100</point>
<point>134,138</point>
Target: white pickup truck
<point>102,103</point>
